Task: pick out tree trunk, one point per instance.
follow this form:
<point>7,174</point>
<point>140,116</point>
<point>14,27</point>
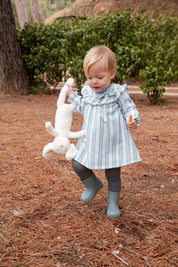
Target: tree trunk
<point>36,11</point>
<point>21,12</point>
<point>13,75</point>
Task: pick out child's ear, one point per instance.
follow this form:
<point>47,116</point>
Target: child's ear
<point>113,74</point>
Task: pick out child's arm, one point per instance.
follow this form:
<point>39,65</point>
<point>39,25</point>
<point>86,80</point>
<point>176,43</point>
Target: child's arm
<point>128,107</point>
<point>75,99</point>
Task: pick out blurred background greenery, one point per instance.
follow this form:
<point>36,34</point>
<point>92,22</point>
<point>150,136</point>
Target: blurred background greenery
<point>48,7</point>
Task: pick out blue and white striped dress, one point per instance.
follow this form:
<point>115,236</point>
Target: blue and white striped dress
<point>108,142</point>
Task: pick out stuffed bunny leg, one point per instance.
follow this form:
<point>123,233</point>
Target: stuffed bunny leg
<point>48,151</point>
<point>70,154</point>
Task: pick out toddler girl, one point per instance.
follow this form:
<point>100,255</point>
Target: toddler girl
<point>108,143</point>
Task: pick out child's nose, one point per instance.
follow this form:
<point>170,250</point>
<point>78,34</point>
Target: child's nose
<point>95,80</point>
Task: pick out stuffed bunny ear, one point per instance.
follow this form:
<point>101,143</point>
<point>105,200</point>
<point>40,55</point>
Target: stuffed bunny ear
<point>48,151</point>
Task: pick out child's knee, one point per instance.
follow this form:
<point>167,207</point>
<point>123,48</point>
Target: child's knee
<point>82,171</point>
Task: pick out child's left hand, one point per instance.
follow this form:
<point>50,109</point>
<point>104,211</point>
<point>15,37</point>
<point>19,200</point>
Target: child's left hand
<point>132,126</point>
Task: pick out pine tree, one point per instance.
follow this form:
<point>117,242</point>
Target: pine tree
<point>21,12</point>
<point>36,11</point>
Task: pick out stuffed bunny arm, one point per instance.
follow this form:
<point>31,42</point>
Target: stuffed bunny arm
<point>76,134</point>
<point>50,129</point>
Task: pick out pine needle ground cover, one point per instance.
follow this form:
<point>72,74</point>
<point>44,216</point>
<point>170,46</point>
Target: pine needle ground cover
<point>42,220</point>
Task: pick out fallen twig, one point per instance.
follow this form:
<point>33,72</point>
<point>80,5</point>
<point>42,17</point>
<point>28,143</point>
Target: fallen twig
<point>135,213</point>
<point>4,256</point>
<point>115,253</point>
<point>143,257</point>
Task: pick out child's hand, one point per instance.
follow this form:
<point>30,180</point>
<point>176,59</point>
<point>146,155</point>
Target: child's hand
<point>132,126</point>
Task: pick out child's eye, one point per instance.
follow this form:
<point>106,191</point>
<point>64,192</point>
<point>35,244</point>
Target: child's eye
<point>100,78</point>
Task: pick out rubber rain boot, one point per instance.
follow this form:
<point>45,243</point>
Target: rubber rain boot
<point>113,208</point>
<point>93,185</point>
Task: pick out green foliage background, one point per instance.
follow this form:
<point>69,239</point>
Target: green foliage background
<point>145,49</point>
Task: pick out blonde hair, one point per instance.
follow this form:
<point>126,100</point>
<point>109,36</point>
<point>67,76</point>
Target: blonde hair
<point>97,53</point>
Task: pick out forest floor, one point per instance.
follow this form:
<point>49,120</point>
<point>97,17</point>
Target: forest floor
<point>42,219</point>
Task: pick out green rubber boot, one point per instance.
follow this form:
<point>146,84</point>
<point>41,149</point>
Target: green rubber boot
<point>93,185</point>
<point>113,208</point>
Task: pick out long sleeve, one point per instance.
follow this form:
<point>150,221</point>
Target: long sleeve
<point>127,105</point>
<point>77,101</point>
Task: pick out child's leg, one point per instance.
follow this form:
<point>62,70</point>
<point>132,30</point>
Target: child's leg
<point>82,171</point>
<point>114,188</point>
<point>91,182</point>
<point>114,181</point>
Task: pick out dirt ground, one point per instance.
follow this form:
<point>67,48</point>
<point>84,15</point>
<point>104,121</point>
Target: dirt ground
<point>42,219</point>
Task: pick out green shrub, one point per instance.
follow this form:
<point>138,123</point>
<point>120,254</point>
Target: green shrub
<point>160,58</point>
<point>145,49</point>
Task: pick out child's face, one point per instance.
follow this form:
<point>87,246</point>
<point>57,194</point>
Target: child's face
<point>99,79</point>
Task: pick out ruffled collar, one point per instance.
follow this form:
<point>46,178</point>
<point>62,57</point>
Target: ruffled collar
<point>89,91</point>
<point>106,97</point>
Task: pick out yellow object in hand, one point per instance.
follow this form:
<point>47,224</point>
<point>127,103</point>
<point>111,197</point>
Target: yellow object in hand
<point>130,118</point>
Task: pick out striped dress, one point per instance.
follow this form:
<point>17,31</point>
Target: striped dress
<point>108,142</point>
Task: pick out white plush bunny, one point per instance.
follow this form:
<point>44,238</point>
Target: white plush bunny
<point>63,120</point>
